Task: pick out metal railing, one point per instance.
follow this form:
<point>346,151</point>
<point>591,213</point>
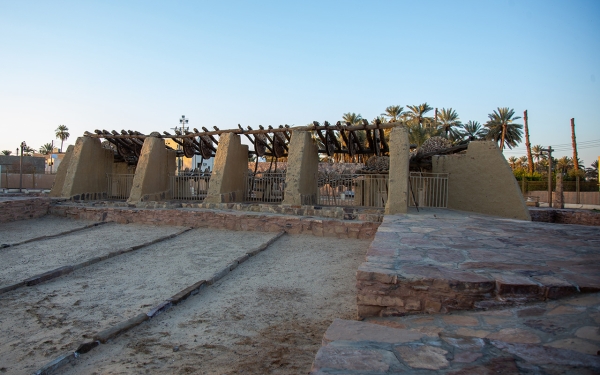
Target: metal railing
<point>428,190</point>
<point>189,187</point>
<point>265,187</point>
<point>361,190</point>
<point>119,185</point>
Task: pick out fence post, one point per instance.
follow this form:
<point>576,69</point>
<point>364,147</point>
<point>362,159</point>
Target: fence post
<point>523,184</point>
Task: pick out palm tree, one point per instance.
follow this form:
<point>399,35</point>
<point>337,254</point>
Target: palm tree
<point>417,134</point>
<point>352,118</point>
<point>6,152</point>
<point>28,151</point>
<point>472,131</point>
<point>417,114</point>
<point>502,129</point>
<point>564,164</point>
<point>46,149</point>
<point>513,161</point>
<point>62,133</point>
<point>394,112</point>
<point>523,162</point>
<point>447,120</point>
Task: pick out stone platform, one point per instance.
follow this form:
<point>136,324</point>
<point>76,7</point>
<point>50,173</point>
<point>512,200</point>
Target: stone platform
<point>439,261</point>
<point>557,337</point>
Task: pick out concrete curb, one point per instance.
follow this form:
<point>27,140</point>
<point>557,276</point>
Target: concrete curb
<point>65,270</point>
<point>4,245</point>
<point>103,336</point>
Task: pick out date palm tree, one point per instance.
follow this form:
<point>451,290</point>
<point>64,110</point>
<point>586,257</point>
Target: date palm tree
<point>501,127</point>
<point>6,152</point>
<point>472,131</point>
<point>416,114</point>
<point>512,161</point>
<point>448,121</point>
<point>564,164</point>
<point>46,149</point>
<point>62,133</point>
<point>393,112</point>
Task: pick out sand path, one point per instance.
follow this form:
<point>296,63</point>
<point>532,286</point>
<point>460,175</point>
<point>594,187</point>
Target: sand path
<point>41,322</point>
<point>23,230</point>
<point>266,317</point>
<point>24,261</point>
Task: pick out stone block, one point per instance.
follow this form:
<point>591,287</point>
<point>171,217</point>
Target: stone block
<point>516,285</point>
<point>350,330</point>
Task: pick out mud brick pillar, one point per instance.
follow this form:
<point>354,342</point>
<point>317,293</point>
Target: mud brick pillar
<point>481,180</point>
<point>85,171</point>
<point>155,165</point>
<point>227,182</point>
<point>303,164</point>
<point>559,195</point>
<point>398,180</point>
<point>61,173</point>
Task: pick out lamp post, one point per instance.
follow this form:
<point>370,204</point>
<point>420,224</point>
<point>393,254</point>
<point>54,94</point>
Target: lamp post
<point>182,122</point>
<point>23,145</point>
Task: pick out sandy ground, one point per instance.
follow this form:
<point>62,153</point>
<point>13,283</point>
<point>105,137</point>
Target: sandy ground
<point>23,230</point>
<point>24,261</point>
<point>268,316</point>
<point>41,322</point>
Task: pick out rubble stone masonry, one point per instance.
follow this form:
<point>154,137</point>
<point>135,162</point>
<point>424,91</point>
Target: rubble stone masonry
<point>21,208</point>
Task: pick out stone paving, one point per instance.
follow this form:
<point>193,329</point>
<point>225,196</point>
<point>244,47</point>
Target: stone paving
<point>447,292</point>
<point>443,260</point>
<point>557,337</point>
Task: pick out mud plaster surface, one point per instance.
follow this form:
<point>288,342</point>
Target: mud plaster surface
<point>41,322</point>
<point>268,316</point>
<point>24,261</point>
<point>23,230</point>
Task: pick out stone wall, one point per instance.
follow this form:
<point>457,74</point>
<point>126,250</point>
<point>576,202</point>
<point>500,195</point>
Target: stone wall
<point>565,216</point>
<point>232,220</point>
<point>22,208</point>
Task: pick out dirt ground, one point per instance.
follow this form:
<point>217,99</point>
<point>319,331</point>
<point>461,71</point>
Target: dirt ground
<point>266,316</point>
<point>33,258</point>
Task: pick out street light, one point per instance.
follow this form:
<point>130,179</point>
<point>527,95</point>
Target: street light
<point>182,121</point>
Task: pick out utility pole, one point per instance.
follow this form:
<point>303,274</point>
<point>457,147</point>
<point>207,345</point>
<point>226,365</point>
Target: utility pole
<point>182,128</point>
<point>549,151</point>
<point>23,145</point>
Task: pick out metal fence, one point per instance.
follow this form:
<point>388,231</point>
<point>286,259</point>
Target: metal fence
<point>361,190</point>
<point>189,187</point>
<point>265,187</point>
<point>119,185</point>
<point>428,190</point>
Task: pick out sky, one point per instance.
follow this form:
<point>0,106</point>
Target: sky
<point>141,65</point>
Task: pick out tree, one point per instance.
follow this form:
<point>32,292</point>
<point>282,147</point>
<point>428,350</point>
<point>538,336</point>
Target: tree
<point>538,154</point>
<point>472,131</point>
<point>512,161</point>
<point>564,164</point>
<point>394,112</point>
<point>62,133</point>
<point>501,127</point>
<point>28,151</point>
<point>448,121</point>
<point>352,118</point>
<point>46,149</point>
<point>418,134</point>
<point>6,152</point>
<point>416,115</point>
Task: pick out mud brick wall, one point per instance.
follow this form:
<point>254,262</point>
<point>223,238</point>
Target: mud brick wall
<point>566,216</point>
<point>23,208</point>
<point>233,220</point>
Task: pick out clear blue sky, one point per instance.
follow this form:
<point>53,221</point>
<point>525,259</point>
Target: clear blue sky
<point>140,65</point>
